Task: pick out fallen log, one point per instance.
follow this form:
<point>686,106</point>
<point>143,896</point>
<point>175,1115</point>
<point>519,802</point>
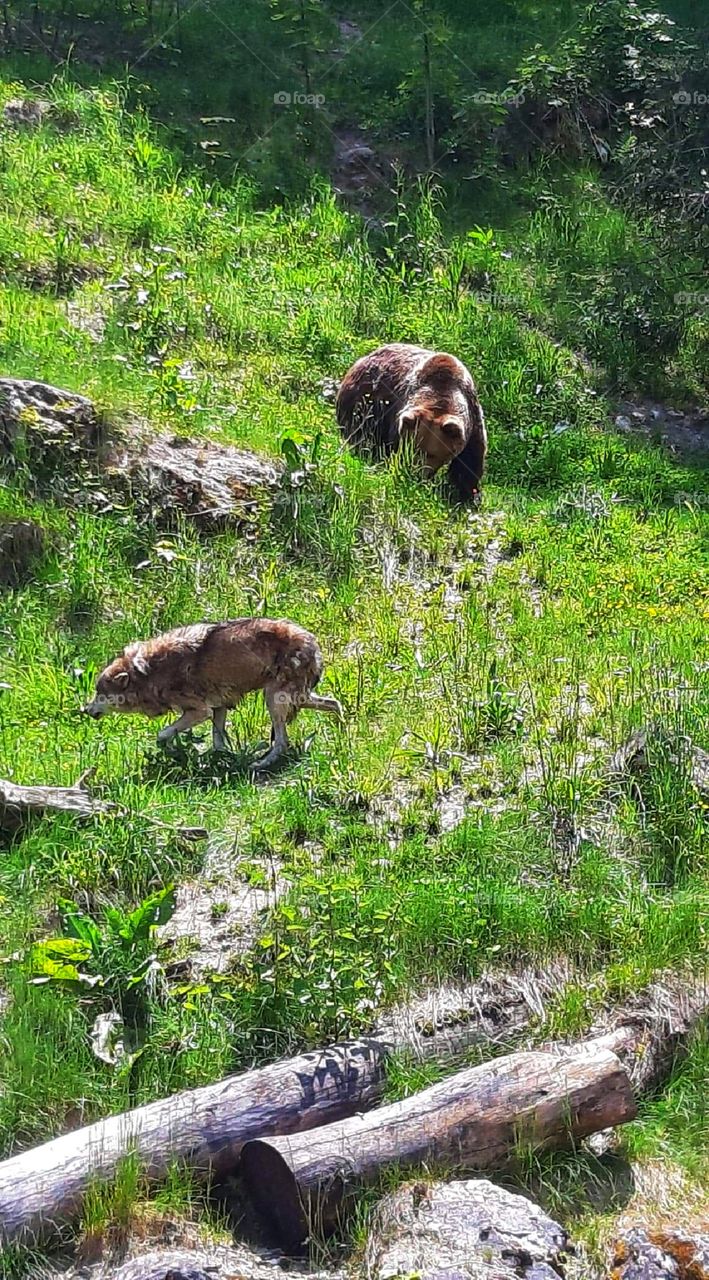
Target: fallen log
<point>204,1128</point>
<point>476,1120</point>
<point>18,803</point>
<point>47,1185</point>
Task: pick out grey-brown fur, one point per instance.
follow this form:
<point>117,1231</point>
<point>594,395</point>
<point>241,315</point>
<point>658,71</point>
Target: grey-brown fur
<point>204,670</point>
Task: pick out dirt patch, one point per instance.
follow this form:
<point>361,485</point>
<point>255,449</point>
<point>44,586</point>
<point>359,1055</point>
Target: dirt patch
<point>684,432</point>
<point>348,30</point>
<point>88,318</point>
<point>219,914</point>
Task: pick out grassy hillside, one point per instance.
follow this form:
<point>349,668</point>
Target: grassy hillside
<point>490,660</point>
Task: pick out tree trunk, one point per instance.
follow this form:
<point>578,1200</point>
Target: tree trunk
<point>206,1128</point>
<point>428,80</point>
<point>477,1120</point>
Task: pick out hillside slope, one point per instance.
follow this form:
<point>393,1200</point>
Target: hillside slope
<point>490,662</point>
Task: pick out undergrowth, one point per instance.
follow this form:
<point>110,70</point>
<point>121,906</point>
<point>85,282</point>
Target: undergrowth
<point>502,655</point>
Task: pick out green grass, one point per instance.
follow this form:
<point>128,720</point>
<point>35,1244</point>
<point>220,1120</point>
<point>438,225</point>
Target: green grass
<point>506,652</point>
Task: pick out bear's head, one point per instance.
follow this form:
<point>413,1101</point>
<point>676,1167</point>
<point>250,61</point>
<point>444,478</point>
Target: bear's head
<point>436,416</point>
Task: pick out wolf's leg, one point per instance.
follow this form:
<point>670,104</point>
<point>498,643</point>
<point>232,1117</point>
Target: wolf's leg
<point>188,720</point>
<point>281,710</point>
<point>314,702</point>
<point>220,737</point>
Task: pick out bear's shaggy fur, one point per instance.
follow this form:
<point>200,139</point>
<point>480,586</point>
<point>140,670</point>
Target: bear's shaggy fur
<point>401,390</point>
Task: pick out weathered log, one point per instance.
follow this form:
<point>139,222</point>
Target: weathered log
<point>486,1016</point>
<point>18,803</point>
<point>476,1120</point>
<point>204,1128</point>
<point>654,1027</point>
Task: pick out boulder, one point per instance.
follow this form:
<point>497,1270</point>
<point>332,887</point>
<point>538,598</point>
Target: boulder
<point>463,1230</point>
<point>660,1254</point>
<point>41,423</point>
<point>25,112</point>
<point>637,1258</point>
<point>63,441</point>
<point>210,482</point>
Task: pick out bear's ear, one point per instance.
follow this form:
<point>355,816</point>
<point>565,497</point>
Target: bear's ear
<point>439,368</point>
<point>407,423</point>
<point>453,429</point>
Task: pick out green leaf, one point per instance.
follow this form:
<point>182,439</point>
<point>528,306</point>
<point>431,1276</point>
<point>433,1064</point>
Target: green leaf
<point>156,909</point>
<point>61,950</point>
<point>77,924</point>
<point>116,919</point>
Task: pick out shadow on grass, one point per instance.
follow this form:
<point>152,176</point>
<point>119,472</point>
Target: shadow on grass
<point>188,761</point>
<point>569,1184</point>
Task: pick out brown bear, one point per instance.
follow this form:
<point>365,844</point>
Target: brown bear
<point>401,390</point>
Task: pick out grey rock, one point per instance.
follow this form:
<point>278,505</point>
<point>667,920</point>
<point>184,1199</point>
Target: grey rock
<point>661,1254</point>
<point>463,1230</point>
<point>38,410</point>
<point>685,433</point>
<point>637,1258</point>
<point>166,1266</point>
<point>25,112</point>
<point>200,1260</point>
<point>50,431</point>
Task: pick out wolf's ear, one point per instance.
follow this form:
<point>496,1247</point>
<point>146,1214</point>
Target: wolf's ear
<point>121,679</point>
<point>453,428</point>
<point>134,655</point>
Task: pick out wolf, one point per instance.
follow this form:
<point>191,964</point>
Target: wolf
<point>204,670</point>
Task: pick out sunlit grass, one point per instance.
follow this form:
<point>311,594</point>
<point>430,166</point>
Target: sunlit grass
<point>506,652</point>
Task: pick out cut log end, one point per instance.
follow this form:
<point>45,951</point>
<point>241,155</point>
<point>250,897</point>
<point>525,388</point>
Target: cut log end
<point>294,1215</point>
